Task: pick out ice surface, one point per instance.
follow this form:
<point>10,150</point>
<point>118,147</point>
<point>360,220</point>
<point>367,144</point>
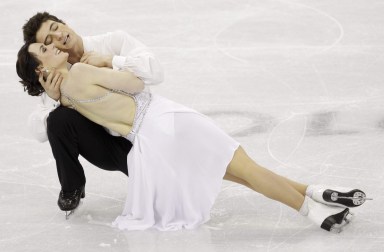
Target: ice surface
<point>298,83</point>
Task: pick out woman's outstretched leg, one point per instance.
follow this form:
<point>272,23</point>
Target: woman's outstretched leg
<point>262,180</point>
<point>242,169</point>
<point>301,188</point>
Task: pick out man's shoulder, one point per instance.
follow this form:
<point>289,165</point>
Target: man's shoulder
<point>98,42</point>
<point>105,35</point>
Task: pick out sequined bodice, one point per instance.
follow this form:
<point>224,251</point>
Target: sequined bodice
<point>142,101</point>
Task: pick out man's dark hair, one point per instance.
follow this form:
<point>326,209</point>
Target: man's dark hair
<point>31,27</point>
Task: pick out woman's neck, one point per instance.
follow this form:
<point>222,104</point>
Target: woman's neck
<point>63,71</point>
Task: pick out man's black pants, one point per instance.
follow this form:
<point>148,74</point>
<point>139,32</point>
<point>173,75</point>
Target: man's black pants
<point>71,134</point>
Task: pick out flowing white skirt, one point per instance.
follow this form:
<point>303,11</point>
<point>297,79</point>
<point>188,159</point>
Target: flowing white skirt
<point>176,167</point>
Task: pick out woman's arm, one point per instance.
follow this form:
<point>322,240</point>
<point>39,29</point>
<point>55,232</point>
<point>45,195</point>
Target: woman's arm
<point>108,78</point>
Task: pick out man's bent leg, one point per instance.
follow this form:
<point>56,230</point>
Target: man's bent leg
<point>71,134</point>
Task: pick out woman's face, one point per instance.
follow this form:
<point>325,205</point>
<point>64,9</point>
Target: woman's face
<point>49,55</point>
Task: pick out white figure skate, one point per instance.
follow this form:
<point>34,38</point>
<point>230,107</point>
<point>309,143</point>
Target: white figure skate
<point>329,218</point>
<point>337,196</point>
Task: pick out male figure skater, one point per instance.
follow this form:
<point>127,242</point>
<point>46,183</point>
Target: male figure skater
<point>69,133</point>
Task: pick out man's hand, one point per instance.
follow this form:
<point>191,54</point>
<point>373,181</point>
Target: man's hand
<point>52,84</point>
<point>96,59</point>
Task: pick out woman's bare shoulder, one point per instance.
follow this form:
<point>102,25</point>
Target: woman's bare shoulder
<point>80,68</point>
<point>78,78</point>
<point>82,73</point>
<point>86,73</point>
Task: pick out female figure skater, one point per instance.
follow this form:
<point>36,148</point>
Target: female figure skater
<point>179,156</point>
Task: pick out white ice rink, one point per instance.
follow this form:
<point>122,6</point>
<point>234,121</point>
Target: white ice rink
<point>300,83</point>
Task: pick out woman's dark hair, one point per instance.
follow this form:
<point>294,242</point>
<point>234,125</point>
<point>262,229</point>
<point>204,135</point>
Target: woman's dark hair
<point>26,66</point>
<point>31,27</point>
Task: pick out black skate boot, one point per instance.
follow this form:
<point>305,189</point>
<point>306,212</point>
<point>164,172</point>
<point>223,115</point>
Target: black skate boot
<point>329,218</point>
<point>69,201</point>
<point>337,196</point>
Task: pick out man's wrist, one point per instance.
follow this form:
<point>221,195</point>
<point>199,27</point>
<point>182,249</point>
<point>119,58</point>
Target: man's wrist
<point>51,103</point>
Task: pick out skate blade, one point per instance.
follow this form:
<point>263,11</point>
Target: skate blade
<point>353,198</point>
<point>71,212</point>
<point>68,213</point>
<point>338,228</point>
<point>363,199</point>
<point>349,217</point>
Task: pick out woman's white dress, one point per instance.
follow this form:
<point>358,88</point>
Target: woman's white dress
<point>176,167</point>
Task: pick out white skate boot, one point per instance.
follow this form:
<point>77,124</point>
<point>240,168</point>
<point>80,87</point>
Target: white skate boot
<point>329,218</point>
<point>336,196</point>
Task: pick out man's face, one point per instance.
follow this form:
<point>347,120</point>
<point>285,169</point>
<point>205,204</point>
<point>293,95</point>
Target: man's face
<point>61,35</point>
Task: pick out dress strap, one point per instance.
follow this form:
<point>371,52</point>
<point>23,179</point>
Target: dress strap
<point>70,100</point>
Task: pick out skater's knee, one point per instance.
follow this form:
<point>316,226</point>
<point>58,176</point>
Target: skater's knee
<point>240,165</point>
<point>244,167</point>
<point>60,120</point>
